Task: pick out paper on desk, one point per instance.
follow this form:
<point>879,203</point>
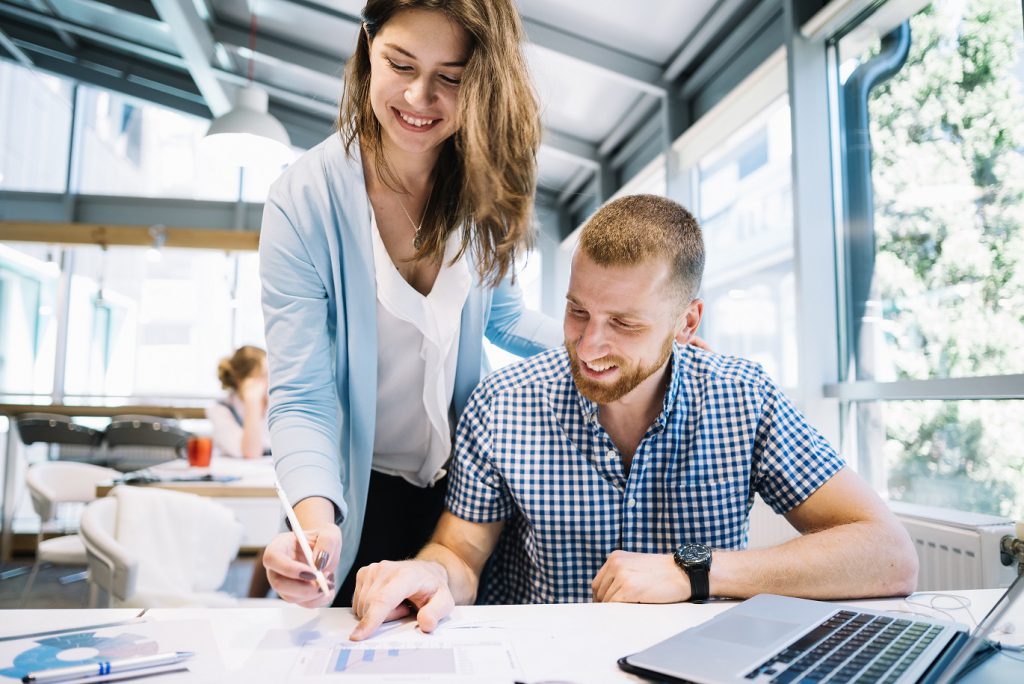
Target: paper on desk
<point>401,653</point>
<point>21,656</point>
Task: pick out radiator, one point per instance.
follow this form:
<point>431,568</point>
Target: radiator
<point>956,549</point>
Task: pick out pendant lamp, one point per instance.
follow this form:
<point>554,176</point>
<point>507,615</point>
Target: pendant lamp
<point>248,134</point>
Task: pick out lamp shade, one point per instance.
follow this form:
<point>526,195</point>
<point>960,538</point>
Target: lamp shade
<point>248,135</point>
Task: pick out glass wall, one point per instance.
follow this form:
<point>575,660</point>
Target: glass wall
<point>29,279</point>
<point>935,250</point>
<point>127,147</point>
<point>35,109</point>
<point>745,206</point>
<point>141,323</point>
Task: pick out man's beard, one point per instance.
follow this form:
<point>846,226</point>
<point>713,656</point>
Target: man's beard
<point>629,377</point>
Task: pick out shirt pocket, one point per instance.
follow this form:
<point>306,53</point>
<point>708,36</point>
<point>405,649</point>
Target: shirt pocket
<point>714,512</point>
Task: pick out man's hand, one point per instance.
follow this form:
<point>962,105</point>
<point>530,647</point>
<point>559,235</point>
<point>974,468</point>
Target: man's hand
<point>390,590</point>
<point>640,578</point>
<point>289,573</point>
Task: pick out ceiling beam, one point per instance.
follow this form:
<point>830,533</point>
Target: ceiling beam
<point>197,46</point>
<point>570,147</point>
<point>46,7</point>
<point>7,44</point>
<point>700,38</point>
<point>628,69</point>
<point>282,50</point>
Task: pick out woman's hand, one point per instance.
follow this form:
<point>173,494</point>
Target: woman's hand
<point>290,574</point>
<point>253,391</point>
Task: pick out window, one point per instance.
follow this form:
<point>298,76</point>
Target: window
<point>934,251</point>
<point>127,147</point>
<point>140,323</point>
<point>35,109</point>
<point>29,278</point>
<point>745,207</point>
<point>145,323</point>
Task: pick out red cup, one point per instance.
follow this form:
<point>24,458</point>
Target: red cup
<point>199,451</point>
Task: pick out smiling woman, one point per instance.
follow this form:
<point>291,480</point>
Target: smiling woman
<point>386,257</point>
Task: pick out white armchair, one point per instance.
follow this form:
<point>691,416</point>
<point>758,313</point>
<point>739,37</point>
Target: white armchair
<point>52,484</point>
<point>150,547</point>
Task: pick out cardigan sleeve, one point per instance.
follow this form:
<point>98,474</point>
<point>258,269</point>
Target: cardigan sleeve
<point>304,410</point>
<point>517,329</point>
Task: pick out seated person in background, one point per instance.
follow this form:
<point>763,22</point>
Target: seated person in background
<point>240,419</point>
<point>240,424</point>
<point>622,466</point>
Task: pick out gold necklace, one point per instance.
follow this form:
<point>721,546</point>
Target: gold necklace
<point>417,237</point>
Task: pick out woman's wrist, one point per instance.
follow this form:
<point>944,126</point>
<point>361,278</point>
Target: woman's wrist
<point>315,512</point>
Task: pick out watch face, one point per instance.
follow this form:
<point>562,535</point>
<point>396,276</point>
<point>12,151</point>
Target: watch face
<point>694,554</point>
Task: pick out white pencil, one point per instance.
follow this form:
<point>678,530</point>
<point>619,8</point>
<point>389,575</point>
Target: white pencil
<point>303,544</point>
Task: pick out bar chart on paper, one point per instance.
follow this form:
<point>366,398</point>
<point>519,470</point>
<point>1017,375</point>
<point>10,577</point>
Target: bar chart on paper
<point>392,661</point>
<point>395,660</point>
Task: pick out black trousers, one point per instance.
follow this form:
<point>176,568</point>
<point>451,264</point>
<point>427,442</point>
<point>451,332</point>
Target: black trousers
<point>400,517</point>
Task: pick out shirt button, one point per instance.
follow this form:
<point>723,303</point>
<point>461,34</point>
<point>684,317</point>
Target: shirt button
<point>631,503</point>
<point>612,454</point>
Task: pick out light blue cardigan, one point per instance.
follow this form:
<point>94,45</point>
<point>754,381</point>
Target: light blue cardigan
<point>320,313</point>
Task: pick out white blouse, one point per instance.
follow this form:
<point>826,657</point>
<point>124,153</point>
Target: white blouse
<point>418,344</point>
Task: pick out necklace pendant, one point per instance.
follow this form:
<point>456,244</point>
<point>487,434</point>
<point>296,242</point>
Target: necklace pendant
<point>417,240</point>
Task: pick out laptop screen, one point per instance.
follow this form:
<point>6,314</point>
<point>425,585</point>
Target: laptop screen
<point>983,630</point>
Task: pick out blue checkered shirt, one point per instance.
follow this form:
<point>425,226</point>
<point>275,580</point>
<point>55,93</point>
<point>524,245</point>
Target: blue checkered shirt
<point>530,451</point>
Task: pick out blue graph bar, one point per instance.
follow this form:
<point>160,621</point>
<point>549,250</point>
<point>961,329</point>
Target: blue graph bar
<point>340,666</point>
<point>368,655</point>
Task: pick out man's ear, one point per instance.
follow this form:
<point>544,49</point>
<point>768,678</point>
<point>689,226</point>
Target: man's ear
<point>689,321</point>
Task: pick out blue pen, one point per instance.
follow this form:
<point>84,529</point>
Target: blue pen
<point>60,674</point>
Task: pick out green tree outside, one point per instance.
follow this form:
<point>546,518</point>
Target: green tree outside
<point>947,137</point>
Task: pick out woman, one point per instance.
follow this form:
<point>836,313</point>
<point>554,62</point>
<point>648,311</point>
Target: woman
<point>240,419</point>
<point>385,255</point>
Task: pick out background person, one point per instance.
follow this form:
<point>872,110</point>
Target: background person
<point>240,418</point>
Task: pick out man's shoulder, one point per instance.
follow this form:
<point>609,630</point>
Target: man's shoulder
<point>713,368</point>
<point>538,372</point>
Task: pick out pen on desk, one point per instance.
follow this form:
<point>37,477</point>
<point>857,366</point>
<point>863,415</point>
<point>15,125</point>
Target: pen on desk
<point>60,674</point>
<point>303,544</point>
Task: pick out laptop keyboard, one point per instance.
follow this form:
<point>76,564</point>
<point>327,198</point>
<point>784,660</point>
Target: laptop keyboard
<point>859,648</point>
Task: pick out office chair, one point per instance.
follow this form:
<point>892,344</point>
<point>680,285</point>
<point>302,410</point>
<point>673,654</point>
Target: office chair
<point>52,484</point>
<point>69,440</point>
<point>136,441</point>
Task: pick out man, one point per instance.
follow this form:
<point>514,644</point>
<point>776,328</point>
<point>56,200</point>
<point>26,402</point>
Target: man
<point>622,467</point>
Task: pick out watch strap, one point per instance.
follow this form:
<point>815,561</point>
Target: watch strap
<point>699,588</point>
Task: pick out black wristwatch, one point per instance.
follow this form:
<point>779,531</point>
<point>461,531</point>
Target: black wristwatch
<point>695,561</point>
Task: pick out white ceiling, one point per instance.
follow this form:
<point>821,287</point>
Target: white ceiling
<point>592,61</point>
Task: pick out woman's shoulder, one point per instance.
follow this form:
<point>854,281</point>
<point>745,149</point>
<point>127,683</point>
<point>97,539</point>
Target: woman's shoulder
<point>324,166</point>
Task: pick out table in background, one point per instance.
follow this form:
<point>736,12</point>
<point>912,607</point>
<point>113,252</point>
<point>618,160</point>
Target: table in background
<point>12,411</point>
<point>251,497</point>
<point>578,643</point>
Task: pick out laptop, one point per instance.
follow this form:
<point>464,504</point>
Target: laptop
<point>784,640</point>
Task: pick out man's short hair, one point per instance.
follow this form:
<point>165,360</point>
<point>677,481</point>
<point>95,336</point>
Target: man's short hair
<point>635,228</point>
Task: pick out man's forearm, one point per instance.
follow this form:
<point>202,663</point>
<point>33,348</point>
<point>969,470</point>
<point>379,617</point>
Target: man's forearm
<point>860,559</point>
<point>462,581</point>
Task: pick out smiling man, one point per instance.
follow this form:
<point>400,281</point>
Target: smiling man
<point>623,466</point>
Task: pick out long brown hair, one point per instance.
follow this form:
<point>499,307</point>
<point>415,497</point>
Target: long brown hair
<point>486,172</point>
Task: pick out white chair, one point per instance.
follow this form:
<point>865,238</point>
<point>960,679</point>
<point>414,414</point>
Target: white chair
<point>53,484</point>
<point>150,548</point>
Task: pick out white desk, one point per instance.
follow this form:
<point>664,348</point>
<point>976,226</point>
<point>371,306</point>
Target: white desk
<point>577,643</point>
